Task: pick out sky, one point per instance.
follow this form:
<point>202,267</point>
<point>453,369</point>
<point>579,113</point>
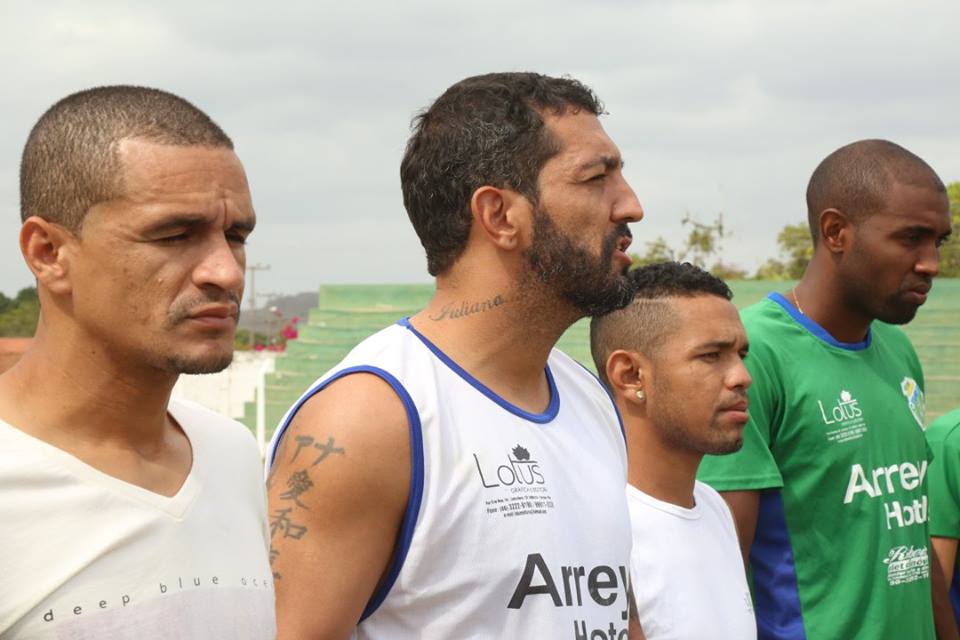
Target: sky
<point>717,106</point>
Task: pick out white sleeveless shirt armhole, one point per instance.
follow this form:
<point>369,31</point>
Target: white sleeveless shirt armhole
<point>498,493</point>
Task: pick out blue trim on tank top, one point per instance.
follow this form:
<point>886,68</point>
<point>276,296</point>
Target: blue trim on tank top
<point>775,592</point>
<point>412,511</point>
<point>816,329</point>
<point>540,418</point>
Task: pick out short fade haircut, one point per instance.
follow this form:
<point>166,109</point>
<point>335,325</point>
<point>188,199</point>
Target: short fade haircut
<point>642,324</point>
<point>856,179</point>
<point>71,159</point>
<point>484,130</point>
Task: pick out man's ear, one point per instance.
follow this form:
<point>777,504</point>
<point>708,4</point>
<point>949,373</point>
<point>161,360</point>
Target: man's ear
<point>836,230</point>
<point>500,214</point>
<point>625,374</point>
<point>45,247</point>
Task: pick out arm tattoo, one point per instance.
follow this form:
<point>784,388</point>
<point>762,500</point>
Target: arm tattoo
<point>273,556</point>
<point>325,449</point>
<point>297,485</point>
<point>281,523</point>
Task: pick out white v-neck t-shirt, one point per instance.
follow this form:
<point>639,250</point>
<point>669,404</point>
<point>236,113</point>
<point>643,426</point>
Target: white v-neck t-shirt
<point>688,573</point>
<point>85,555</point>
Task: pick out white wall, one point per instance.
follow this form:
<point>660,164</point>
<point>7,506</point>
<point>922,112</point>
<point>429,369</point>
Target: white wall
<point>227,391</point>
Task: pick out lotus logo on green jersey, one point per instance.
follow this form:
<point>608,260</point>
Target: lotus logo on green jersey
<point>914,395</point>
<point>846,408</point>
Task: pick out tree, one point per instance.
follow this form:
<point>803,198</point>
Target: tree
<point>18,317</point>
<point>796,250</point>
<point>657,251</point>
<point>950,253</point>
<point>703,240</point>
<point>702,247</point>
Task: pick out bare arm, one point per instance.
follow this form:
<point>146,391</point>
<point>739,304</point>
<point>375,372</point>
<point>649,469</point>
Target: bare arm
<point>745,505</point>
<point>337,493</point>
<point>944,555</point>
<point>634,629</point>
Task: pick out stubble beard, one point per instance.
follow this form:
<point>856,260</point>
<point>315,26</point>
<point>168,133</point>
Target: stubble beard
<point>183,363</point>
<point>676,432</point>
<point>858,291</point>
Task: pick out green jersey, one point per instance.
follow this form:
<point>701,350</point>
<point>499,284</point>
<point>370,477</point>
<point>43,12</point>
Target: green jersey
<point>943,434</point>
<point>835,446</point>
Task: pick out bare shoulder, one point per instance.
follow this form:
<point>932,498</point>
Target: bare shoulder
<point>359,418</point>
<point>338,491</point>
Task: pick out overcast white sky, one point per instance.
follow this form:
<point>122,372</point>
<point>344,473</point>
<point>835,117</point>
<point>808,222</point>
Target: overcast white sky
<point>717,106</point>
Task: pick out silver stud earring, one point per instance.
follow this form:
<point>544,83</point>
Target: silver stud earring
<point>640,394</point>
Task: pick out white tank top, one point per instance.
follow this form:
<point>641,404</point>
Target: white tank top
<point>516,524</point>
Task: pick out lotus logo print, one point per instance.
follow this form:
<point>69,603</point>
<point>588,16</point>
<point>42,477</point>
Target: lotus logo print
<point>915,400</point>
<point>845,409</point>
<point>517,469</point>
<point>520,453</point>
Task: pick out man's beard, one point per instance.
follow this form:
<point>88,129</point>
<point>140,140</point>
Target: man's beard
<point>673,425</point>
<point>572,273</point>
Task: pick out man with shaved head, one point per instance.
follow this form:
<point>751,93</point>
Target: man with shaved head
<point>829,489</point>
<point>123,513</point>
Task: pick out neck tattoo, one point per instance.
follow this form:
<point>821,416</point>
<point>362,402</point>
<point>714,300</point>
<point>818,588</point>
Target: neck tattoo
<point>796,301</point>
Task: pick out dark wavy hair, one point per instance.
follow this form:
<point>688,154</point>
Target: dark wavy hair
<point>484,130</point>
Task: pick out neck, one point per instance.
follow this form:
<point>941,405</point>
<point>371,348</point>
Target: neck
<point>501,336</point>
<point>70,387</point>
<point>657,469</point>
<point>819,296</point>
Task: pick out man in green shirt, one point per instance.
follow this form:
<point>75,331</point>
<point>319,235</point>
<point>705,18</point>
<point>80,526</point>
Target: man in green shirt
<point>828,491</point>
<point>943,435</point>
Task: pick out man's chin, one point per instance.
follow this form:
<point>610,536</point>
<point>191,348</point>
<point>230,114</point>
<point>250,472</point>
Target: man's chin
<point>199,364</point>
<point>899,313</point>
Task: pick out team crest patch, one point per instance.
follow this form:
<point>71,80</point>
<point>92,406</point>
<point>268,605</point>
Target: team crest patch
<point>914,395</point>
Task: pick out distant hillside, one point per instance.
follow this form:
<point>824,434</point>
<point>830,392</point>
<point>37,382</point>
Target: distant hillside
<point>297,304</point>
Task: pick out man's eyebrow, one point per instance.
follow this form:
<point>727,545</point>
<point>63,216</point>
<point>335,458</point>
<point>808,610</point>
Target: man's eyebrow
<point>922,229</point>
<point>247,224</point>
<point>718,344</point>
<point>177,221</point>
<point>188,220</point>
<point>607,162</point>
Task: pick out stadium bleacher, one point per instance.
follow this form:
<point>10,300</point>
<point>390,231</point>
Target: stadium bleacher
<point>346,314</point>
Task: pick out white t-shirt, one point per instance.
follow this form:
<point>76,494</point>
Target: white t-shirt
<point>516,522</point>
<point>688,575</point>
<point>84,555</point>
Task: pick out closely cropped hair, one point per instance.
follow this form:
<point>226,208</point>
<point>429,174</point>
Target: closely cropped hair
<point>642,324</point>
<point>71,161</point>
<point>484,130</point>
<point>856,178</point>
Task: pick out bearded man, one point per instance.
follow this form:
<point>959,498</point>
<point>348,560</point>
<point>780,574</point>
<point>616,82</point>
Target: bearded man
<point>455,475</point>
